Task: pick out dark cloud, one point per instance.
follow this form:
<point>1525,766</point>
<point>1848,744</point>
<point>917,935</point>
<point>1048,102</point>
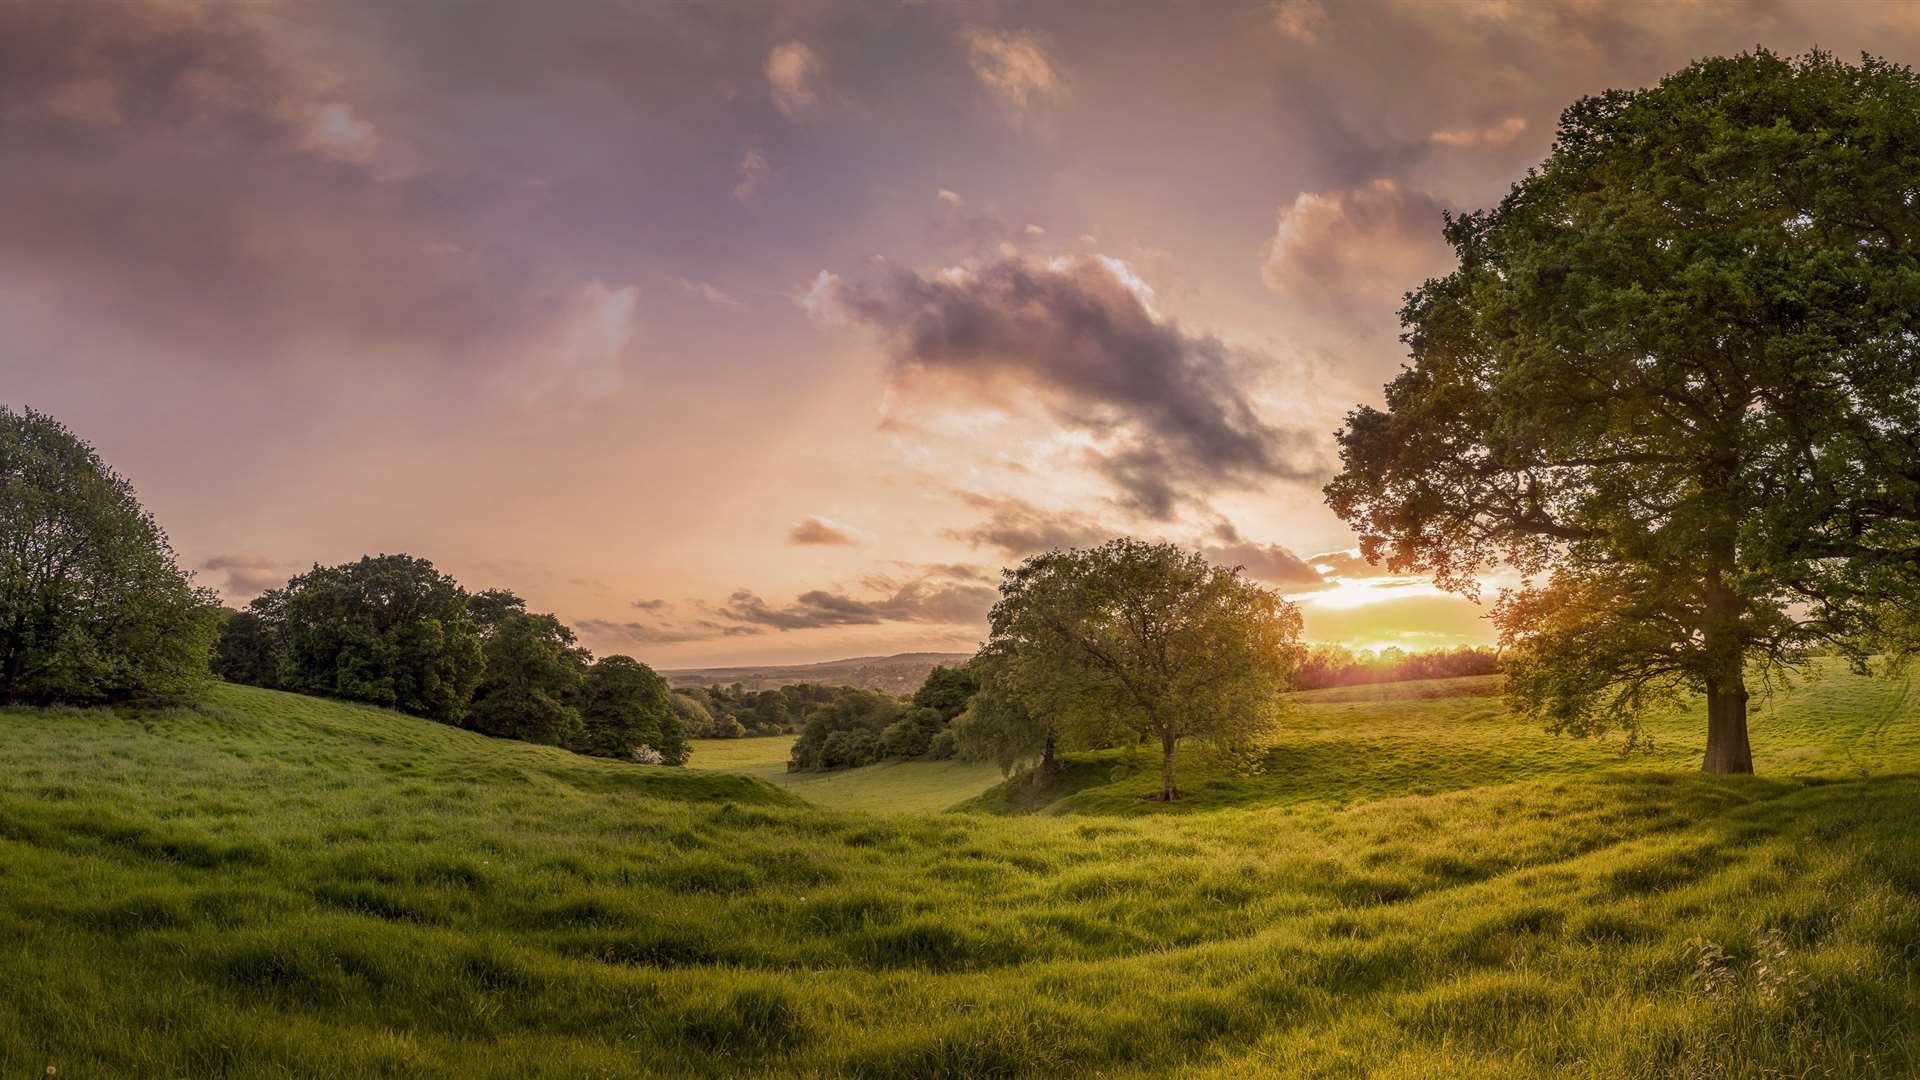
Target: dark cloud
<point>637,633</point>
<point>246,575</point>
<point>956,571</point>
<point>1268,562</point>
<point>1019,528</point>
<point>1082,338</point>
<point>650,605</point>
<point>818,532</point>
<point>926,599</point>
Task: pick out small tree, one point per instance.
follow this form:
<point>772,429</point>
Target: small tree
<point>1133,641</point>
<point>1673,382</point>
<point>93,605</point>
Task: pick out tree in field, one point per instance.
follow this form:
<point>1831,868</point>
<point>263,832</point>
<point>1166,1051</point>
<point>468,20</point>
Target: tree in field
<point>1675,382</point>
<point>93,605</point>
<point>625,704</point>
<point>533,682</point>
<point>387,630</point>
<point>1134,641</point>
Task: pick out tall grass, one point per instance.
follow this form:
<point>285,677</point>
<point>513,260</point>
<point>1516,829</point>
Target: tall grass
<point>276,885</point>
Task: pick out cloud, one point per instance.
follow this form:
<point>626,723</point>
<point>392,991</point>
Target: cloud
<point>1168,418</point>
<point>1019,528</point>
<point>151,65</point>
<point>246,575</point>
<point>582,352</point>
<point>712,294</point>
<point>819,531</point>
<point>975,230</point>
<point>649,605</point>
<point>1300,20</point>
<point>638,633</point>
<point>1497,135</point>
<point>1345,564</point>
<point>793,72</point>
<point>1357,248</point>
<point>1013,65</point>
<point>752,171</point>
<point>927,599</point>
<point>1268,562</point>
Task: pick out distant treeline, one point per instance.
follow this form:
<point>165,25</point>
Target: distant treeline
<point>843,727</point>
<point>1335,665</point>
<point>730,712</point>
<point>391,630</point>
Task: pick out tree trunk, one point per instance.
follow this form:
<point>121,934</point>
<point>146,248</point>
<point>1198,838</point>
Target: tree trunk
<point>1167,791</point>
<point>1049,767</point>
<point>1726,654</point>
<point>1727,748</point>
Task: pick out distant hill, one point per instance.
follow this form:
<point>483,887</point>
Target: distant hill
<point>899,674</point>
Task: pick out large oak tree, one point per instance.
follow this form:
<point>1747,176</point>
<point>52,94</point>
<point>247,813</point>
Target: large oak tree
<point>1675,381</point>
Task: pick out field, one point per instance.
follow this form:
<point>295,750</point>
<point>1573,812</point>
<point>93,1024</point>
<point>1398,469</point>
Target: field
<point>900,787</point>
<point>1416,885</point>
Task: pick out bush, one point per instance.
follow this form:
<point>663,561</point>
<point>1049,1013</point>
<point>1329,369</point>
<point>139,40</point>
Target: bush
<point>943,745</point>
<point>912,734</point>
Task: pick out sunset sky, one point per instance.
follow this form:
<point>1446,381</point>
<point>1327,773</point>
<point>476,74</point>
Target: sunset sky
<point>743,332</point>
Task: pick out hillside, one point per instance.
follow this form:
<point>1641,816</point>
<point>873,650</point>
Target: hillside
<point>901,673</point>
<point>274,885</point>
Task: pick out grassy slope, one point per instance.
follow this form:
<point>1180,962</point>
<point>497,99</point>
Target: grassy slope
<point>898,787</point>
<point>279,885</point>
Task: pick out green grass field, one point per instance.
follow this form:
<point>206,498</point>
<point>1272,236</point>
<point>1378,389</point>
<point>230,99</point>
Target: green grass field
<point>1416,885</point>
<point>894,787</point>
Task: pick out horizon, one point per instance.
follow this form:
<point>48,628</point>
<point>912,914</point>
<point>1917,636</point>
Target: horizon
<point>766,336</point>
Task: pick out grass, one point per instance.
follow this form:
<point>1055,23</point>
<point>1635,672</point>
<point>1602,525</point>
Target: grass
<point>1416,886</point>
<point>895,787</point>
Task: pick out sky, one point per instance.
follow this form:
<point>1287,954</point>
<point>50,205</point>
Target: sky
<point>756,333</point>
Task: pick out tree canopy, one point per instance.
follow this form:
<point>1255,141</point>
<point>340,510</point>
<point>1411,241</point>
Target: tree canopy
<point>1675,383</point>
<point>624,706</point>
<point>94,607</point>
<point>393,630</point>
<point>1135,641</point>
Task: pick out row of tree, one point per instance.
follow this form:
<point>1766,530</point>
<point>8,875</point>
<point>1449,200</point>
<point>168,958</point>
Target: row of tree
<point>1336,665</point>
<point>391,630</point>
<point>732,711</point>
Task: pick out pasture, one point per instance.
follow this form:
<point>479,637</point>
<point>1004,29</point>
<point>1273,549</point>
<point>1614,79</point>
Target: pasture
<point>1415,885</point>
<point>889,787</point>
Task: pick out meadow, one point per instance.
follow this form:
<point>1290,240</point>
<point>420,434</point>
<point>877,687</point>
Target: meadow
<point>889,787</point>
<point>1416,884</point>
